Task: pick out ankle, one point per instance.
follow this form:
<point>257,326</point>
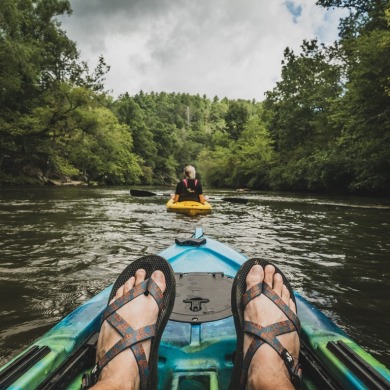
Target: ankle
<point>268,371</point>
<point>119,374</point>
<point>269,379</point>
<point>271,382</point>
<point>112,384</point>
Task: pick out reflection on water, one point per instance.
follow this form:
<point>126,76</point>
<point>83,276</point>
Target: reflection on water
<point>60,246</point>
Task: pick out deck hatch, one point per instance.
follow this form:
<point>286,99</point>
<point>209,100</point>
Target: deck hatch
<point>202,297</point>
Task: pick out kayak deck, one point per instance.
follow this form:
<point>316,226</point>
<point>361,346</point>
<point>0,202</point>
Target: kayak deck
<point>197,353</point>
<point>189,207</point>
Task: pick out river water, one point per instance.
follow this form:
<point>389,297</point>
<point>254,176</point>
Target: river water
<point>59,246</point>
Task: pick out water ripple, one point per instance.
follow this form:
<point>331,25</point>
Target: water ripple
<point>60,246</point>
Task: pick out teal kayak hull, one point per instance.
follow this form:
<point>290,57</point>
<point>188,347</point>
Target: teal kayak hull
<point>193,355</point>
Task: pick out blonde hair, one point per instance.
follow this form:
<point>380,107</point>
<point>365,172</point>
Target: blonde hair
<point>189,172</point>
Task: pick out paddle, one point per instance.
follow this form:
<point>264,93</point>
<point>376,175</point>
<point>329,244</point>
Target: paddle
<point>231,200</point>
<point>143,193</point>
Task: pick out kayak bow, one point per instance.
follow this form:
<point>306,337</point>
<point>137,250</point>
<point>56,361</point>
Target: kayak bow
<point>199,342</point>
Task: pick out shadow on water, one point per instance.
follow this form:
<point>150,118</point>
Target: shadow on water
<point>60,246</point>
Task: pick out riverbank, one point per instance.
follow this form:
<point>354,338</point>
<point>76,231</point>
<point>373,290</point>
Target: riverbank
<point>30,180</point>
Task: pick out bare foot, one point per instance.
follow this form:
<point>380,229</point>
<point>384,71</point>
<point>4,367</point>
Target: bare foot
<point>268,370</point>
<point>122,371</point>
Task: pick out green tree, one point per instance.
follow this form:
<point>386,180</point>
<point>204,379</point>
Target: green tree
<point>364,109</point>
<point>236,118</point>
<point>254,156</point>
<point>39,68</point>
<point>130,113</point>
<point>104,152</point>
<point>298,108</point>
<point>215,166</point>
<point>299,112</point>
<point>361,113</point>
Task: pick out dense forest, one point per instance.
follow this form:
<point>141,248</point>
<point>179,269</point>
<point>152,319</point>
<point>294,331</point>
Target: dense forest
<point>325,126</point>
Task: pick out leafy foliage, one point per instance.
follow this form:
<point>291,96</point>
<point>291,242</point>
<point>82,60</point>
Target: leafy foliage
<point>329,115</point>
<point>325,126</point>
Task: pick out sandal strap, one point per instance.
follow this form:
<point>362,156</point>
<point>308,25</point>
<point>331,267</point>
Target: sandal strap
<point>252,293</point>
<point>147,286</point>
<point>269,333</point>
<point>156,293</point>
<point>294,369</point>
<point>136,291</point>
<point>269,293</point>
<point>142,362</point>
<point>131,338</point>
<point>264,288</point>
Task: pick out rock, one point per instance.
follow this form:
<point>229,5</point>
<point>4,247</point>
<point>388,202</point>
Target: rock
<point>54,182</point>
<point>67,183</point>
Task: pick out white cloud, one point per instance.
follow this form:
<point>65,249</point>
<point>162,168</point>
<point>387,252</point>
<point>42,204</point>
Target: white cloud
<point>229,48</point>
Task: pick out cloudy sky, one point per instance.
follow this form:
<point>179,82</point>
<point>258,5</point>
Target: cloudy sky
<point>229,48</point>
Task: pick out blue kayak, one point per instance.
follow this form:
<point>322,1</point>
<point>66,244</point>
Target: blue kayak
<point>199,342</point>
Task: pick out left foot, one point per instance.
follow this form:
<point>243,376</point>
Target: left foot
<point>122,371</point>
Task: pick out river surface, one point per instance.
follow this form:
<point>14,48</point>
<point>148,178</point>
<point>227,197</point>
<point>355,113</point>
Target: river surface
<point>59,246</point>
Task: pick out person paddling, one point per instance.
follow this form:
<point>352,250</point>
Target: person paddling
<point>189,188</point>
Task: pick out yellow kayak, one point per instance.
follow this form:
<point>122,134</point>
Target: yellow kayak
<point>189,207</point>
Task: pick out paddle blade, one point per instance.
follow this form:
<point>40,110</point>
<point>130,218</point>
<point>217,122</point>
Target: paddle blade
<point>236,200</point>
<point>141,193</point>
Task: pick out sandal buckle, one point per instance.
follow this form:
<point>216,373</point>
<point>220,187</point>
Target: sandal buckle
<point>90,380</point>
<point>288,359</point>
<point>293,368</point>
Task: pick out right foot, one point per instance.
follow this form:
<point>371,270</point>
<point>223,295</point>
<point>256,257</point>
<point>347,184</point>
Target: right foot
<point>122,371</point>
<point>267,369</point>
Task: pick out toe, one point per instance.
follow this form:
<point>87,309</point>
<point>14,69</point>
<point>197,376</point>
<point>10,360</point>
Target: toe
<point>292,306</point>
<point>285,295</point>
<point>129,284</point>
<point>159,278</point>
<point>140,276</point>
<point>119,292</point>
<point>269,274</point>
<point>278,284</point>
<point>255,276</point>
